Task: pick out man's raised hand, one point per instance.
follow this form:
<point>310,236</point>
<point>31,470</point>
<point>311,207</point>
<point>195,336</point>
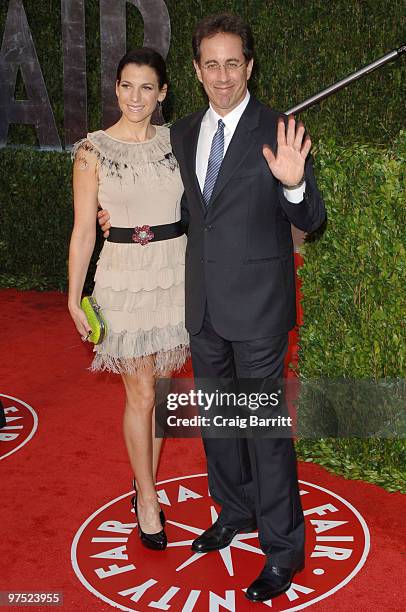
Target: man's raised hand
<point>288,164</point>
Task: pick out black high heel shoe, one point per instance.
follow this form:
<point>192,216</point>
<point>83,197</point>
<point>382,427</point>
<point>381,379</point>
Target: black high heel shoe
<point>161,513</point>
<point>155,541</point>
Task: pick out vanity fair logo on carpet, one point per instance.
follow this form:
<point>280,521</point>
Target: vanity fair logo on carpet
<point>111,563</point>
<point>21,425</point>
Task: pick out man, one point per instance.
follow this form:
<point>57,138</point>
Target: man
<point>247,177</point>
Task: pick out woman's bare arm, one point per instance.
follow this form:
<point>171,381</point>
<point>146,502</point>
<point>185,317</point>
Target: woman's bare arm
<point>85,190</point>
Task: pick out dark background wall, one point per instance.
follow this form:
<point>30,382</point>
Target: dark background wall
<point>302,46</point>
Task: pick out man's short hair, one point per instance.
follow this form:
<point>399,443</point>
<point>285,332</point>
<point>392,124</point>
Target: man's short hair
<point>223,23</point>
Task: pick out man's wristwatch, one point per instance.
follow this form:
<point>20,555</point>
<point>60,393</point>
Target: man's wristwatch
<point>291,187</point>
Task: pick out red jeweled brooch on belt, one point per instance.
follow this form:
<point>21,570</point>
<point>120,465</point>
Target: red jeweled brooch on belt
<point>142,234</point>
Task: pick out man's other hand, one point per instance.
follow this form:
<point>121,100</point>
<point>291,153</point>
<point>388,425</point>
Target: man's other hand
<point>103,217</point>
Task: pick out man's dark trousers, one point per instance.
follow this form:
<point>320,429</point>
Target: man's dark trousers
<point>253,478</point>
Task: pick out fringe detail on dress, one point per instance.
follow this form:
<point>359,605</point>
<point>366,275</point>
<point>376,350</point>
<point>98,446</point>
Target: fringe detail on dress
<point>115,157</point>
<point>165,362</point>
<point>129,352</point>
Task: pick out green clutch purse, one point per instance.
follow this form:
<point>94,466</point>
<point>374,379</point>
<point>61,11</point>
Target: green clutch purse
<point>95,319</point>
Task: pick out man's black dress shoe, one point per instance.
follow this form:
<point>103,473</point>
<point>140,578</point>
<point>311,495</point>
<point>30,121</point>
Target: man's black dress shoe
<point>217,537</point>
<point>272,581</point>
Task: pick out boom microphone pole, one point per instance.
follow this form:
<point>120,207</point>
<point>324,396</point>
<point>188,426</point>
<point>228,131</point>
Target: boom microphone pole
<point>358,74</point>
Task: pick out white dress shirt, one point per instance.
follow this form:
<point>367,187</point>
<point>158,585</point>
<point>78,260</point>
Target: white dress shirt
<point>209,127</point>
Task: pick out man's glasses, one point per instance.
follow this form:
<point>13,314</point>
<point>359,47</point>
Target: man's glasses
<point>230,66</point>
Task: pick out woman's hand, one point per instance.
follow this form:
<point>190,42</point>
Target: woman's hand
<point>80,321</point>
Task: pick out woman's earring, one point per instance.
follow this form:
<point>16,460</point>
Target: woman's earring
<point>157,117</point>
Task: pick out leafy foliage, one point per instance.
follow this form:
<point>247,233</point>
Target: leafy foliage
<point>353,281</point>
<point>37,218</point>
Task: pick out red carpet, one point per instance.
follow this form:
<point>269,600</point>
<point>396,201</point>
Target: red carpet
<point>76,462</point>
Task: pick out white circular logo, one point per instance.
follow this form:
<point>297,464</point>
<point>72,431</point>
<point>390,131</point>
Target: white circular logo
<point>110,561</point>
<point>21,425</point>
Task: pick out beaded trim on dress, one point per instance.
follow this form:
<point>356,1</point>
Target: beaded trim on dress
<point>115,156</point>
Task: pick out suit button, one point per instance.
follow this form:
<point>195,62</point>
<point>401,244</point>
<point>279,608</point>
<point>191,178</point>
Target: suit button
<point>202,260</point>
<point>208,228</point>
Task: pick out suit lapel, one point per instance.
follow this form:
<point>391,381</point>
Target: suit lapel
<point>242,141</point>
<point>190,147</point>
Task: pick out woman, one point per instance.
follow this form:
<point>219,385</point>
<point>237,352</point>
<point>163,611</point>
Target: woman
<point>139,283</point>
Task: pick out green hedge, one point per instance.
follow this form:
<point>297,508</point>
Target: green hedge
<point>36,220</point>
<point>353,283</point>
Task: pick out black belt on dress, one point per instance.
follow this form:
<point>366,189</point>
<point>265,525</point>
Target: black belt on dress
<point>142,234</point>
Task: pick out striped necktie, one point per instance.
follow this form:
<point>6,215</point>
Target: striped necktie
<point>215,160</point>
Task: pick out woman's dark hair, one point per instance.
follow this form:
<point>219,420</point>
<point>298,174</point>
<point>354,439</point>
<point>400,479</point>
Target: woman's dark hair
<point>144,56</point>
<point>228,24</point>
